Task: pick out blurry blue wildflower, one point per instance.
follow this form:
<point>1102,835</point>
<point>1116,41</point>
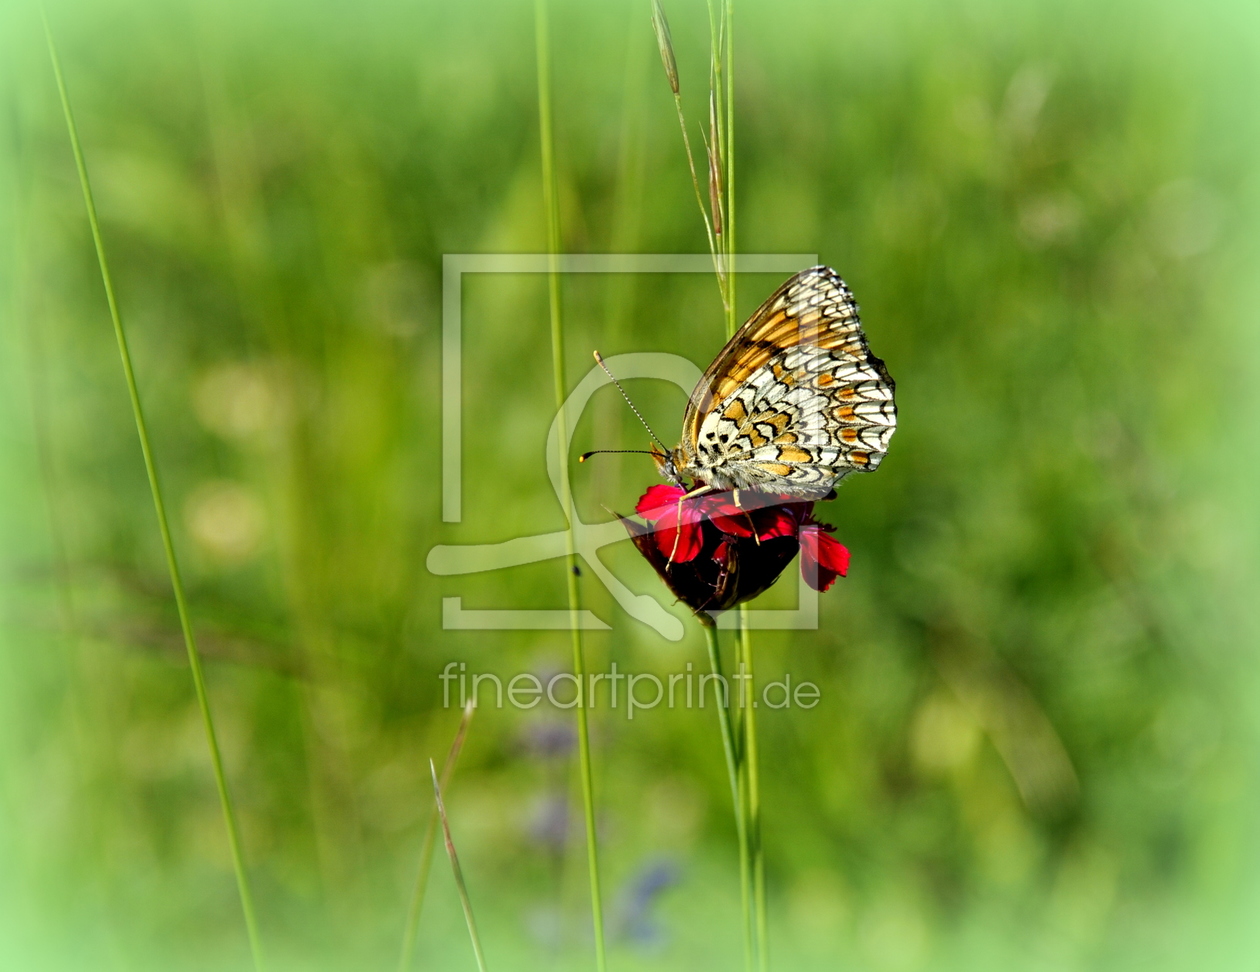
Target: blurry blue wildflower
<point>549,739</point>
<point>638,923</point>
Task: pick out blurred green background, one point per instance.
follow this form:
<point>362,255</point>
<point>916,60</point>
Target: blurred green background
<point>1037,742</point>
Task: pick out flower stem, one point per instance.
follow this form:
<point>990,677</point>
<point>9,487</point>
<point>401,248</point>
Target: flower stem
<point>731,746</point>
<point>724,75</point>
<point>547,144</point>
<point>752,774</point>
<point>749,725</point>
<point>159,506</point>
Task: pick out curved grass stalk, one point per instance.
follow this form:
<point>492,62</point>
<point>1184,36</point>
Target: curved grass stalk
<point>547,144</point>
<point>159,506</point>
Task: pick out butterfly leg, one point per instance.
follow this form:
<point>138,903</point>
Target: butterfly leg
<point>747,515</point>
<point>698,491</point>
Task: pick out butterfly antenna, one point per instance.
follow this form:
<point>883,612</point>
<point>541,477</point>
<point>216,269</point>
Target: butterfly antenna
<point>599,360</point>
<point>602,452</point>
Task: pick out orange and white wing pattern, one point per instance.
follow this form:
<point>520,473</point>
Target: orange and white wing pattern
<point>795,401</point>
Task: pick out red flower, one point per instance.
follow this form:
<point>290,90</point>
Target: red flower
<point>713,554</point>
<point>679,533</point>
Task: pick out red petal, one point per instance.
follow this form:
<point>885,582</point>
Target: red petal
<point>738,521</point>
<point>679,546</point>
<point>658,501</point>
<point>777,521</point>
<point>724,514</point>
<point>735,523</point>
<point>823,558</point>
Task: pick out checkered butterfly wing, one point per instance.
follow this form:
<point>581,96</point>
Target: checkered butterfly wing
<point>796,400</point>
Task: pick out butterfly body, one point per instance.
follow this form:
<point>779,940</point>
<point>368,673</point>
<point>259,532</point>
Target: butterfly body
<point>793,403</point>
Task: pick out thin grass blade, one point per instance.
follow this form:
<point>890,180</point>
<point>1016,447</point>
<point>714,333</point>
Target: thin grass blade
<point>550,197</point>
<point>430,834</point>
<point>159,506</point>
<point>728,150</point>
<point>459,874</point>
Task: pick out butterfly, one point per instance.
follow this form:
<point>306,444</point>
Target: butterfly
<point>795,402</point>
<point>791,405</point>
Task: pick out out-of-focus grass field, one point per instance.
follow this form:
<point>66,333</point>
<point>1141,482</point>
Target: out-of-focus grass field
<point>1037,743</point>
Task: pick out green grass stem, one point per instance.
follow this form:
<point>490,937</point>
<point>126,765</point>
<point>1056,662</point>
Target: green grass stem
<point>719,225</point>
<point>753,777</point>
<point>722,34</point>
<point>725,72</point>
<point>550,199</point>
<point>159,506</point>
<point>732,321</point>
<point>734,758</point>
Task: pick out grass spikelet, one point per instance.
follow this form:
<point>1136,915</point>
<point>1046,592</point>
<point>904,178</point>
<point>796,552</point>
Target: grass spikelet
<point>666,43</point>
<point>661,25</point>
<point>713,147</point>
